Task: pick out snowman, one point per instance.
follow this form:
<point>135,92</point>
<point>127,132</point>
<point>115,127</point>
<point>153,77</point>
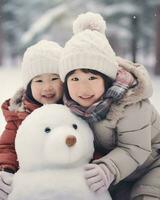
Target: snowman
<point>53,146</point>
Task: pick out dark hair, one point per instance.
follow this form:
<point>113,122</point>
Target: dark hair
<point>107,80</point>
<point>29,94</point>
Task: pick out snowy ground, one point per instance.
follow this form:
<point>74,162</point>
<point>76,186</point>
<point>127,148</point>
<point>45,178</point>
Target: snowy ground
<point>11,81</point>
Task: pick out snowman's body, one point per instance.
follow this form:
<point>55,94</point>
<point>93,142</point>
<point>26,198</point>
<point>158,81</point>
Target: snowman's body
<point>52,156</point>
<point>54,185</point>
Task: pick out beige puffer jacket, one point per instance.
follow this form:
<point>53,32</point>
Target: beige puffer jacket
<point>131,130</point>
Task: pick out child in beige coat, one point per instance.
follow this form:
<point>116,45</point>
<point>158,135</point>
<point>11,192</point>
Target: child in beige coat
<point>112,94</point>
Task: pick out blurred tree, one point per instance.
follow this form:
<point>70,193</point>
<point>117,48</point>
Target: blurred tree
<point>155,6</point>
<point>18,17</point>
<point>134,42</point>
<point>12,26</point>
<point>157,67</point>
<point>123,17</point>
<point>130,26</point>
<point>133,22</point>
<point>1,35</point>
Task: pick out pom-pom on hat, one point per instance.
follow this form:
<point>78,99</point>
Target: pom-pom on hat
<point>89,21</point>
<point>41,58</point>
<point>88,48</point>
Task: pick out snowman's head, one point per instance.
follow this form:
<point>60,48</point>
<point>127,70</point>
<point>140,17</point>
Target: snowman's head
<point>52,136</point>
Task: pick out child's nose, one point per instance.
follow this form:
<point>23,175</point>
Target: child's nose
<point>48,86</point>
<point>85,86</point>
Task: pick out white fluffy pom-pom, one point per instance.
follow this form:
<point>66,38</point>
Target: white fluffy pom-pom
<point>91,21</point>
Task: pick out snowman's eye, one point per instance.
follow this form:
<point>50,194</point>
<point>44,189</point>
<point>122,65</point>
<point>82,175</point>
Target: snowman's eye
<point>47,130</point>
<point>75,126</point>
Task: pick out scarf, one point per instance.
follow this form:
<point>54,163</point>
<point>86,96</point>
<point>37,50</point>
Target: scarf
<point>94,113</point>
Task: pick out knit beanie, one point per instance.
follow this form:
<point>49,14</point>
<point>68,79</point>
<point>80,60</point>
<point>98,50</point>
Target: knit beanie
<point>40,58</point>
<point>88,48</point>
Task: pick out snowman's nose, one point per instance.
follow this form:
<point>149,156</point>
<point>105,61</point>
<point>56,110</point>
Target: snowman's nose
<point>70,140</point>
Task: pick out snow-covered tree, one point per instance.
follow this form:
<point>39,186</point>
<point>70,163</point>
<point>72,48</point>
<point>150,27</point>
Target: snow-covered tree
<point>18,15</point>
<point>1,35</point>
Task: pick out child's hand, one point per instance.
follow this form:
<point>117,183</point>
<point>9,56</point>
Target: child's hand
<point>124,80</point>
<point>5,184</point>
<point>98,177</point>
<point>116,92</point>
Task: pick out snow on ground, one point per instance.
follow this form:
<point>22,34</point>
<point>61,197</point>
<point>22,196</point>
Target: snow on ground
<point>11,81</point>
<point>155,99</point>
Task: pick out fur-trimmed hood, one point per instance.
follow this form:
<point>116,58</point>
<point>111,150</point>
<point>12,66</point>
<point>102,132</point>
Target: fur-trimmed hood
<point>20,103</point>
<point>143,90</point>
<point>18,106</point>
<point>16,102</point>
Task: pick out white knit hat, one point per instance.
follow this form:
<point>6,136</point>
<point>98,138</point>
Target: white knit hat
<point>40,58</point>
<point>88,48</point>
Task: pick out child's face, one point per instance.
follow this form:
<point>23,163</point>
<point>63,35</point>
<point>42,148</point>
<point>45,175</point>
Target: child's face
<point>47,88</point>
<point>85,88</point>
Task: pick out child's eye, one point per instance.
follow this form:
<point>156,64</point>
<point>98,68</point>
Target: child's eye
<point>75,79</point>
<point>92,78</point>
<point>39,81</point>
<point>53,79</point>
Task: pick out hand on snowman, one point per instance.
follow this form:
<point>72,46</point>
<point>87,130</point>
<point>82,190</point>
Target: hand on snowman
<point>98,177</point>
<point>5,184</point>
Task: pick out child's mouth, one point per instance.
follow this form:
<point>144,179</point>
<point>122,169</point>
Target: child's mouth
<point>48,96</point>
<point>87,97</point>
